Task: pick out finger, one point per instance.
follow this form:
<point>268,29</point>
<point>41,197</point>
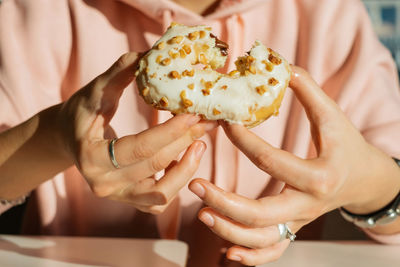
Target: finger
<point>120,74</point>
<point>252,257</point>
<point>133,148</point>
<point>167,154</point>
<point>319,106</point>
<point>178,176</point>
<point>103,93</point>
<point>150,192</point>
<point>263,212</point>
<point>237,233</point>
<point>280,164</point>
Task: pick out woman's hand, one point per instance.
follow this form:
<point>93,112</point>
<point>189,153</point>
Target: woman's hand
<point>85,121</point>
<point>348,172</point>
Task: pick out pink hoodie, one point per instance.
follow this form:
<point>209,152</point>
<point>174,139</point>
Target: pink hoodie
<point>49,49</point>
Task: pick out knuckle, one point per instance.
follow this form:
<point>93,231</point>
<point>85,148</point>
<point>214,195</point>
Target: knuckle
<point>100,190</point>
<point>324,183</point>
<point>142,150</point>
<point>99,82</point>
<point>157,164</point>
<point>256,221</point>
<point>264,160</point>
<point>258,218</point>
<point>123,61</point>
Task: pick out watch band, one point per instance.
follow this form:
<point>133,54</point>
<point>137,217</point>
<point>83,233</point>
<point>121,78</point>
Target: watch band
<point>386,215</point>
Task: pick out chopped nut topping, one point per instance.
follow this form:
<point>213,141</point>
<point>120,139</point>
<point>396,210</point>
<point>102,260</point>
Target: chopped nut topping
<point>172,54</point>
<point>252,69</point>
<point>174,23</point>
<point>183,94</point>
<point>202,34</point>
<point>187,49</point>
<point>145,91</point>
<point>250,59</point>
<point>164,102</point>
<point>224,87</point>
<point>247,73</point>
<point>205,91</point>
<point>161,45</point>
<point>176,39</point>
<point>182,53</point>
<point>274,59</point>
<point>193,36</point>
<point>158,59</point>
<point>186,102</point>
<point>166,61</point>
<point>208,84</point>
<point>188,73</point>
<point>191,86</point>
<point>208,28</point>
<point>203,59</point>
<point>205,47</point>
<point>153,75</point>
<point>268,65</point>
<point>147,70</point>
<point>216,111</point>
<point>273,81</point>
<point>233,73</point>
<point>174,75</point>
<point>261,89</point>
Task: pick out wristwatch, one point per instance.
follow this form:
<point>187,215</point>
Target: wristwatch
<point>386,215</point>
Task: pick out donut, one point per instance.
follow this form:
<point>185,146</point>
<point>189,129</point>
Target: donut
<point>179,74</point>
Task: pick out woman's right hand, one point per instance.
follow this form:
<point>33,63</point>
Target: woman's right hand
<point>84,121</point>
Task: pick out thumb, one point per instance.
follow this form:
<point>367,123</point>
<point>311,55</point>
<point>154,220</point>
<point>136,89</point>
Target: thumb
<point>318,106</point>
<point>103,93</point>
<point>121,73</point>
<point>108,87</point>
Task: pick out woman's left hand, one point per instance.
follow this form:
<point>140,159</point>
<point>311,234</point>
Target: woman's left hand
<point>348,172</point>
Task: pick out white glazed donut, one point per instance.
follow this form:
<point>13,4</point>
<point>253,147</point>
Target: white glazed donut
<point>178,74</point>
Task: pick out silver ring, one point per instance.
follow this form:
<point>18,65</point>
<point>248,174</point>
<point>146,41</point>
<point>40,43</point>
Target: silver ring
<point>285,232</point>
<point>112,154</point>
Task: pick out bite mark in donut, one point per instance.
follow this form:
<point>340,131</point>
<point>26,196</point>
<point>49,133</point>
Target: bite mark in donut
<point>178,74</point>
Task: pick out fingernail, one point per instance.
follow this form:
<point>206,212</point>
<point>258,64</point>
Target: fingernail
<point>199,150</point>
<point>198,189</point>
<point>192,120</point>
<point>235,257</point>
<point>206,218</point>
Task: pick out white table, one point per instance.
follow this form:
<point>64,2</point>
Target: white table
<point>338,254</point>
<point>17,251</point>
<point>22,251</point>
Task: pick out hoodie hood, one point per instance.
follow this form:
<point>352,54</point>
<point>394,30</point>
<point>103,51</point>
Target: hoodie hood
<point>156,10</point>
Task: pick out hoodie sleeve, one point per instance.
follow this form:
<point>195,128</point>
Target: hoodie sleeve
<point>346,58</point>
<point>35,44</point>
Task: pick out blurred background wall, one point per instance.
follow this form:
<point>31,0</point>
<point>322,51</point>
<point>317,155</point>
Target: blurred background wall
<point>385,16</point>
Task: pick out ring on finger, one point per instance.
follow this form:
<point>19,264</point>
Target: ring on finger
<point>285,232</point>
<point>111,152</point>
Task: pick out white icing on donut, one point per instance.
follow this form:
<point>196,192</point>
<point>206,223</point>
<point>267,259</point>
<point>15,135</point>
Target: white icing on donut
<point>172,76</point>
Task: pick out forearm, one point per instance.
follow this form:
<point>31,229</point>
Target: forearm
<point>31,153</point>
